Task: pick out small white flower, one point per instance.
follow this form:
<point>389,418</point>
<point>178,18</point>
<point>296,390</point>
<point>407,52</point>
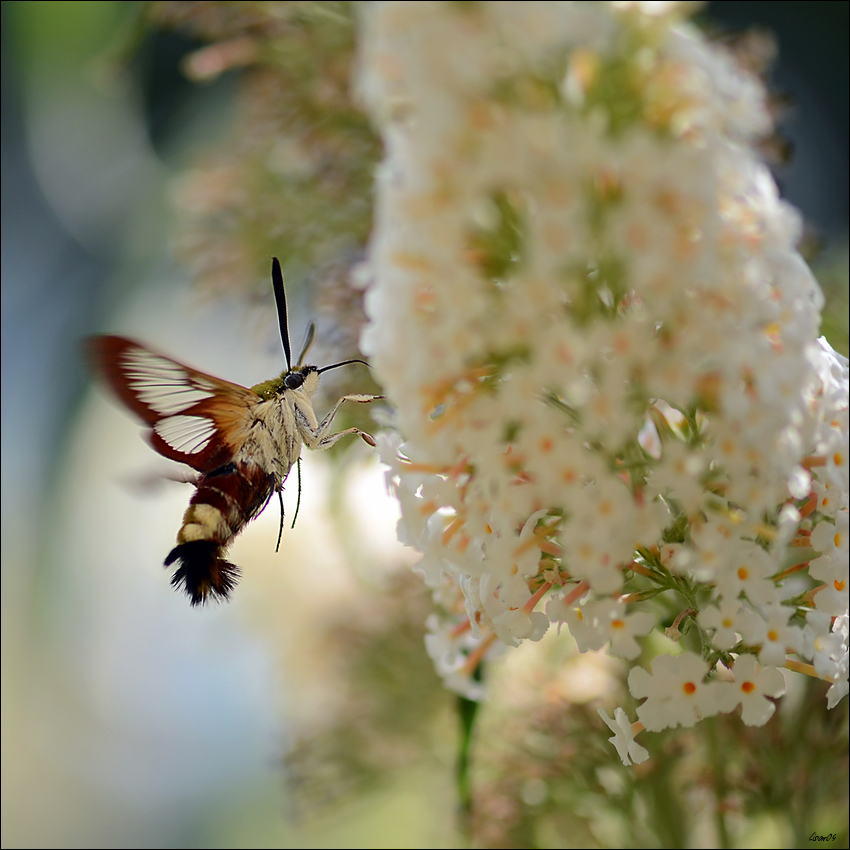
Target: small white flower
<point>753,686</point>
<point>841,684</point>
<point>725,621</point>
<point>746,571</point>
<point>624,738</point>
<point>822,646</point>
<point>832,540</point>
<point>772,633</point>
<point>606,620</point>
<point>676,693</point>
<point>582,627</point>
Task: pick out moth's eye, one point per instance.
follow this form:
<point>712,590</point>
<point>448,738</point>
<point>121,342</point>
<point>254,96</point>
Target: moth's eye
<point>293,380</point>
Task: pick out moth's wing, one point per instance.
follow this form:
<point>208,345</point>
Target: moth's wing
<point>195,418</point>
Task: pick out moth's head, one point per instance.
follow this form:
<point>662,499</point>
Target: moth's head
<point>302,378</point>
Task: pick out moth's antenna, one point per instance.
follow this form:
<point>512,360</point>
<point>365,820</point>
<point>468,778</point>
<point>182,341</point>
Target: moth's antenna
<point>344,363</point>
<point>308,341</point>
<point>280,300</point>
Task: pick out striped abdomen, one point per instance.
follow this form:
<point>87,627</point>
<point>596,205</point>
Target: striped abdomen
<point>226,499</point>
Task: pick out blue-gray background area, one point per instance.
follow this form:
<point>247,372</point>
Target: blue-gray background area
<point>59,286</point>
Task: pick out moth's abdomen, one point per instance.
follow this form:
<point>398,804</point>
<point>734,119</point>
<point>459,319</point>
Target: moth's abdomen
<point>201,570</point>
<point>225,501</point>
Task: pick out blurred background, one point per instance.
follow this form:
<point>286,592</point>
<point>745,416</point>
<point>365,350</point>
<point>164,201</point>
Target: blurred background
<point>305,712</point>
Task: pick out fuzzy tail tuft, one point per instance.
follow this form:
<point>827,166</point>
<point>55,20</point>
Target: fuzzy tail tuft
<point>201,572</point>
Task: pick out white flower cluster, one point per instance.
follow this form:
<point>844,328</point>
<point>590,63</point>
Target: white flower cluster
<point>587,308</point>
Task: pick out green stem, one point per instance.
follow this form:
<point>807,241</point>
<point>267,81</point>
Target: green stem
<point>720,785</point>
<point>467,710</point>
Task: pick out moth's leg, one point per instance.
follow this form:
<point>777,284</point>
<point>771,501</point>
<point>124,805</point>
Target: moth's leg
<point>325,424</point>
<point>320,438</point>
<point>280,530</point>
<point>328,441</point>
<point>298,503</point>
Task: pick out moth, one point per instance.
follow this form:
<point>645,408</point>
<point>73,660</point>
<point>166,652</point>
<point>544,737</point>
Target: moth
<point>243,442</point>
